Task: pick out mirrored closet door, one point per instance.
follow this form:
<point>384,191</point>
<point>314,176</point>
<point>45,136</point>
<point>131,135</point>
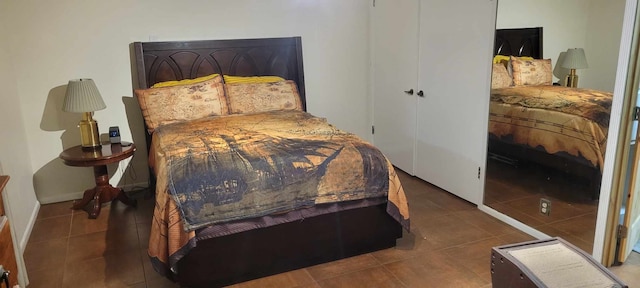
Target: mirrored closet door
<point>547,140</point>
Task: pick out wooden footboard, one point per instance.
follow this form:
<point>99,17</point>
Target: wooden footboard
<point>262,252</point>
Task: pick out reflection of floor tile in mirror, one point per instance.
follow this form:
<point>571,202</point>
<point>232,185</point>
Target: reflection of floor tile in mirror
<point>516,191</point>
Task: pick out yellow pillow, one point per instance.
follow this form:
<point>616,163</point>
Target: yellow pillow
<point>251,79</point>
<point>500,59</point>
<point>184,82</point>
<point>525,58</point>
<point>505,59</point>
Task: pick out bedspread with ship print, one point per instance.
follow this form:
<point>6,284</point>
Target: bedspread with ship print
<point>220,169</point>
<point>557,119</point>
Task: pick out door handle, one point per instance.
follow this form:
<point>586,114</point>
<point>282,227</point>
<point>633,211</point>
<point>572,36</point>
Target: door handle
<point>420,93</point>
<point>410,91</point>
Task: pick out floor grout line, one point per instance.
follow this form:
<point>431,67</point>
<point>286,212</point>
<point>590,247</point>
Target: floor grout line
<point>66,254</point>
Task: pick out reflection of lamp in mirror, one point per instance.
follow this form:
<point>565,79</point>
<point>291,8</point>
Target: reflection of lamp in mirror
<point>574,59</point>
<point>83,97</point>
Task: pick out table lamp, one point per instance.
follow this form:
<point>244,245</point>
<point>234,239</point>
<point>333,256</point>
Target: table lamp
<point>574,59</point>
<point>83,97</point>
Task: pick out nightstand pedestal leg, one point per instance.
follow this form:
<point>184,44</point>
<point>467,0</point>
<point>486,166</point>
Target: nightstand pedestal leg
<point>86,198</point>
<point>103,192</point>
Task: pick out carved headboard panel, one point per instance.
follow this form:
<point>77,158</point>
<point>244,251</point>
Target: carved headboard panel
<point>164,61</point>
<point>519,42</point>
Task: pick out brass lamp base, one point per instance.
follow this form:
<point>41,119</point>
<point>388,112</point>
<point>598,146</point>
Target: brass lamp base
<point>89,136</point>
<point>572,79</point>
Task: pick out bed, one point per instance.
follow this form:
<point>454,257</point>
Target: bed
<point>532,120</point>
<point>214,173</point>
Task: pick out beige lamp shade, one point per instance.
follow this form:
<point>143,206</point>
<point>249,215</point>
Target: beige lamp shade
<point>82,96</point>
<point>575,59</point>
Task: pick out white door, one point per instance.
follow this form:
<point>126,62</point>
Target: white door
<point>395,70</point>
<point>456,43</point>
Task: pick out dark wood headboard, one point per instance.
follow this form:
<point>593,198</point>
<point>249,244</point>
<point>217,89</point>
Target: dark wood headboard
<point>165,61</point>
<point>519,42</point>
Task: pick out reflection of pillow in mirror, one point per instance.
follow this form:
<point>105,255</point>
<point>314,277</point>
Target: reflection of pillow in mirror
<point>531,72</point>
<point>500,59</point>
<point>500,77</point>
<point>524,57</point>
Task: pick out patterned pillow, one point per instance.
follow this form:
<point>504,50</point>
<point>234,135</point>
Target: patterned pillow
<point>531,72</point>
<point>500,77</point>
<point>261,97</point>
<point>167,105</point>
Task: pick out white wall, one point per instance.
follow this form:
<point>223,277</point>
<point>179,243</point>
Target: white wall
<point>20,197</point>
<point>604,28</point>
<point>594,25</point>
<point>54,41</point>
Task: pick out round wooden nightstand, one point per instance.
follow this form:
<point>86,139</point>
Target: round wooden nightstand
<point>98,158</point>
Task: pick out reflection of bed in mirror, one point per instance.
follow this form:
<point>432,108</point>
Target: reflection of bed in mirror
<point>531,120</point>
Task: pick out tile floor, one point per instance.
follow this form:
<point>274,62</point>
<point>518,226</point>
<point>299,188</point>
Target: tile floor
<point>449,247</point>
<point>516,191</point>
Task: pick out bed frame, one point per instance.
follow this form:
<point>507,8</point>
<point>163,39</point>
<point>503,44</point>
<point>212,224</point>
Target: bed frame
<point>519,42</point>
<point>260,252</point>
<point>528,42</point>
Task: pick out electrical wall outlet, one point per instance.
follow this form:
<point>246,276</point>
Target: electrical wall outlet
<point>545,206</point>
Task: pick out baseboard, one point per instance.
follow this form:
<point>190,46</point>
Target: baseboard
<point>30,224</point>
<point>135,186</point>
<point>513,222</point>
<point>23,277</point>
<point>60,198</point>
<point>78,195</point>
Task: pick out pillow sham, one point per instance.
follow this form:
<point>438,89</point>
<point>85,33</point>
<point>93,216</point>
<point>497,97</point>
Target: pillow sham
<point>262,97</point>
<point>500,77</point>
<point>251,79</point>
<point>188,81</point>
<point>165,105</point>
<point>531,72</point>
